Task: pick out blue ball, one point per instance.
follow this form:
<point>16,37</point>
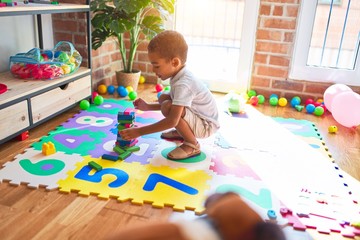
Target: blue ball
<point>295,101</point>
<point>274,95</point>
<point>310,108</point>
<point>111,89</point>
<point>159,94</point>
<point>123,92</point>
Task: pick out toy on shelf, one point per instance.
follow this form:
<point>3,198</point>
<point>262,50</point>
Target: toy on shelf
<point>3,88</point>
<point>46,64</point>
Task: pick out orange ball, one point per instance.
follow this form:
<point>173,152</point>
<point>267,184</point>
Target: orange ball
<point>102,89</point>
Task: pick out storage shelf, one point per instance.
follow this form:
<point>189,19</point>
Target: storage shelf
<point>35,8</point>
<point>20,88</point>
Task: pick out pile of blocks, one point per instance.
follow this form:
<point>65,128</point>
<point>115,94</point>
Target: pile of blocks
<point>123,147</point>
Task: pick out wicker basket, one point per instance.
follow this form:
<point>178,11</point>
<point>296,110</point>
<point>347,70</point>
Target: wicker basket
<point>128,79</point>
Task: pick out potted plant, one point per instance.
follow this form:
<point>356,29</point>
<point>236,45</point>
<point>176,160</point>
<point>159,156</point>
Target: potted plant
<point>130,18</point>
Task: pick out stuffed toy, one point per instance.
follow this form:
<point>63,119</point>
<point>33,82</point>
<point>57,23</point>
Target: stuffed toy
<point>227,217</point>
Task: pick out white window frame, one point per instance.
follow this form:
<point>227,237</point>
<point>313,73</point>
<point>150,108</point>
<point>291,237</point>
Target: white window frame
<point>300,70</point>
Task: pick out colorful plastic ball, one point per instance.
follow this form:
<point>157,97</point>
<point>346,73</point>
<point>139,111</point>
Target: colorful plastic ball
<point>63,57</point>
<point>273,101</point>
<point>102,89</point>
<point>282,102</point>
<point>141,79</point>
<point>251,93</point>
<point>274,95</point>
<point>129,88</point>
<point>66,68</point>
<point>84,104</point>
<point>324,107</point>
<point>319,111</point>
<point>320,100</point>
<point>111,89</point>
<point>309,101</point>
<point>98,100</point>
<point>159,94</point>
<point>332,129</point>
<point>159,87</point>
<point>295,101</point>
<point>167,89</point>
<point>317,104</point>
<point>310,108</point>
<point>261,99</point>
<point>123,92</point>
<point>132,95</point>
<point>94,94</point>
<point>254,100</point>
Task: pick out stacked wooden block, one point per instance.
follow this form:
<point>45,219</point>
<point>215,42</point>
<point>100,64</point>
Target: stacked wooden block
<point>124,148</point>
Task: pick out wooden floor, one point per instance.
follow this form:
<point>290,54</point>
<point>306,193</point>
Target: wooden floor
<point>39,214</point>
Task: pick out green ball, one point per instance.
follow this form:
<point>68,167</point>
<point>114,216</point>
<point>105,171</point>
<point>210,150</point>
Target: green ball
<point>261,99</point>
<point>273,101</point>
<point>251,93</point>
<point>98,100</point>
<point>132,95</point>
<point>84,104</point>
<point>319,111</point>
<point>167,89</point>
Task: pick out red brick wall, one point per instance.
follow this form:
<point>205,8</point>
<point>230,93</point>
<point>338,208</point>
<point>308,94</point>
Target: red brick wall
<point>274,45</point>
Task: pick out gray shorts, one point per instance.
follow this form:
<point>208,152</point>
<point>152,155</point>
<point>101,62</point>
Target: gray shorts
<point>201,128</point>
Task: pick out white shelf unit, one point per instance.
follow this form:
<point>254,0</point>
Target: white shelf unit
<point>28,103</point>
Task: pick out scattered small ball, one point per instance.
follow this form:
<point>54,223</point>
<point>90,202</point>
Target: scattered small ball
<point>261,99</point>
<point>141,79</point>
<point>309,101</point>
<point>94,94</point>
<point>254,100</point>
<point>274,95</point>
<point>98,100</point>
<point>310,108</point>
<point>295,101</point>
<point>123,92</point>
<point>319,111</point>
<point>130,88</point>
<point>159,87</point>
<point>251,93</point>
<point>111,89</point>
<point>332,129</point>
<point>84,104</point>
<point>102,89</point>
<point>167,89</point>
<point>320,100</point>
<point>273,101</point>
<point>132,95</point>
<point>282,102</point>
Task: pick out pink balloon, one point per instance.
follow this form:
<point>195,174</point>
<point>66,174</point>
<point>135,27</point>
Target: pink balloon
<point>346,108</point>
<point>332,91</point>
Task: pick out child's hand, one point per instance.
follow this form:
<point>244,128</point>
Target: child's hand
<point>140,104</point>
<point>130,133</point>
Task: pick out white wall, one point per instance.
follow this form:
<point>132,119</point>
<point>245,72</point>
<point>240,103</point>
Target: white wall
<point>18,34</point>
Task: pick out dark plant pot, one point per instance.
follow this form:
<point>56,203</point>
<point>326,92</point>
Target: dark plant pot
<point>128,79</point>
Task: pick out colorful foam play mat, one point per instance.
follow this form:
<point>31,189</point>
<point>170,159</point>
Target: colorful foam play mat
<point>277,165</point>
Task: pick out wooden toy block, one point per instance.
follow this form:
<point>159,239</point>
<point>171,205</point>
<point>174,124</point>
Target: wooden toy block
<point>133,148</point>
<point>124,155</point>
<point>48,148</point>
<point>118,149</point>
<point>109,157</point>
<point>95,166</point>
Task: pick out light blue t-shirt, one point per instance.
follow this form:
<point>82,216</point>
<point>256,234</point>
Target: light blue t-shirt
<point>188,91</point>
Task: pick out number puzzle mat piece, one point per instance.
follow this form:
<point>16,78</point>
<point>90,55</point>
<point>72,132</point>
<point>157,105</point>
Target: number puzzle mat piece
<point>36,169</point>
<point>161,186</point>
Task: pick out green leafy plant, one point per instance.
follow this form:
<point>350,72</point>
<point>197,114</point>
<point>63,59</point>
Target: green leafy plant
<point>117,18</point>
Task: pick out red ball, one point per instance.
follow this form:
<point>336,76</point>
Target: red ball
<point>254,100</point>
<point>159,87</point>
<point>317,104</point>
<point>94,94</point>
<point>309,101</point>
<point>324,107</point>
